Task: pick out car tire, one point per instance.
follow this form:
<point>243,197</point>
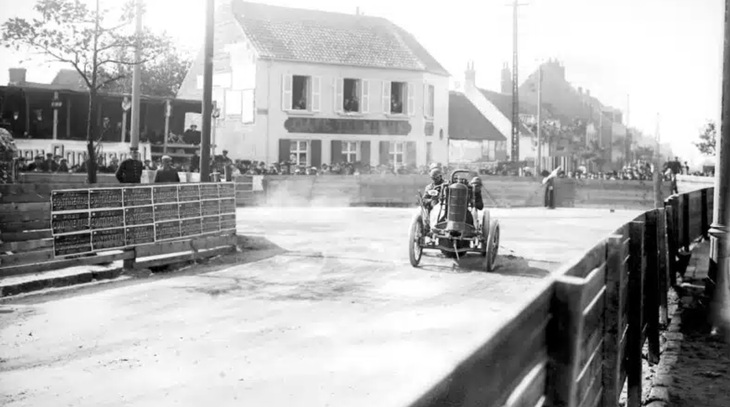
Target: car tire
<point>492,247</point>
<point>415,251</point>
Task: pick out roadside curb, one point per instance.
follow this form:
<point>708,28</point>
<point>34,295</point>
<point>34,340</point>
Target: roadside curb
<point>662,379</point>
<point>61,281</point>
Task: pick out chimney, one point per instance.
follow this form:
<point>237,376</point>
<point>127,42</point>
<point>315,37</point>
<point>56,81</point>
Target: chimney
<point>580,90</point>
<point>470,75</point>
<point>16,76</point>
<point>588,92</point>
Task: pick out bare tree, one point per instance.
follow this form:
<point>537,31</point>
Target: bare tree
<point>94,42</point>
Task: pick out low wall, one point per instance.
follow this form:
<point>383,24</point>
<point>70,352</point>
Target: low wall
<point>499,191</point>
<point>689,183</point>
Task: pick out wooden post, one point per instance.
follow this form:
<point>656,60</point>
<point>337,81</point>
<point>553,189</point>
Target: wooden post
<point>55,117</point>
<point>651,286</point>
<point>68,117</point>
<point>662,267</point>
<point>685,242</point>
<point>612,323</point>
<point>124,125</point>
<point>672,241</point>
<point>635,315</point>
<point>705,217</point>
<point>566,333</point>
<point>167,124</point>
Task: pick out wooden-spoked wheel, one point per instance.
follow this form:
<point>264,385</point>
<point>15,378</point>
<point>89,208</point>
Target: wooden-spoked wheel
<point>492,247</point>
<point>415,251</point>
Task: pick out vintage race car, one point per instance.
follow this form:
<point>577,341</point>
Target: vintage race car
<point>450,228</point>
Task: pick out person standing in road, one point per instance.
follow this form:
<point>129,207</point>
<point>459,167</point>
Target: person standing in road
<point>130,170</point>
<point>167,173</point>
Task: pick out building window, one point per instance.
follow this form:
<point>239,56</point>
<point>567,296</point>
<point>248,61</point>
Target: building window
<point>397,97</point>
<point>300,92</point>
<point>349,151</point>
<point>299,152</point>
<point>352,89</point>
<point>430,98</point>
<point>397,153</point>
<point>429,153</point>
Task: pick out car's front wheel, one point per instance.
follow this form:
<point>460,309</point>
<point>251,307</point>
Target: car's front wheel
<point>415,250</point>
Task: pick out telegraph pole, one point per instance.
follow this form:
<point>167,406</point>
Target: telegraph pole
<point>207,93</point>
<point>719,242</point>
<point>136,82</point>
<point>515,153</point>
<point>538,165</point>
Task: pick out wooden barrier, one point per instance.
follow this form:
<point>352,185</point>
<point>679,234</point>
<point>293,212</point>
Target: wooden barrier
<point>581,339</point>
<point>26,241</point>
<point>498,191</point>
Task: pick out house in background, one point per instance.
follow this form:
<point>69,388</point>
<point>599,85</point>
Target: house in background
<point>318,88</point>
<point>496,109</point>
<point>472,138</point>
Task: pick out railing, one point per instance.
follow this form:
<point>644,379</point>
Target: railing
<point>580,340</point>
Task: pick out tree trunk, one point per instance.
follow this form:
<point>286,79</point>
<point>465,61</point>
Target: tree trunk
<point>90,132</point>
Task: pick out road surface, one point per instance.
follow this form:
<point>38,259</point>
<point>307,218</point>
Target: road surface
<point>337,318</point>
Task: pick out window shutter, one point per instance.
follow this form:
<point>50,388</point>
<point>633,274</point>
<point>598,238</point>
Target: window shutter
<point>410,158</point>
<point>338,94</point>
<point>365,96</point>
<point>386,97</point>
<point>365,152</point>
<point>316,93</point>
<point>286,92</point>
<point>384,152</point>
<point>425,98</point>
<point>411,92</point>
<point>284,149</point>
<point>315,148</point>
<point>336,152</point>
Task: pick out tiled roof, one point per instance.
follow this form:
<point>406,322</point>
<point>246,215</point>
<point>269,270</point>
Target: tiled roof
<point>503,103</point>
<point>466,122</point>
<point>331,38</point>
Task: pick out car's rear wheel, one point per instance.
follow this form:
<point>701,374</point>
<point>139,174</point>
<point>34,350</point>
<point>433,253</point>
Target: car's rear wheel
<point>492,247</point>
<point>415,250</point>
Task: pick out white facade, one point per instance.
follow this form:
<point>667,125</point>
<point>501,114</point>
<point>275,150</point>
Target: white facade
<point>261,119</point>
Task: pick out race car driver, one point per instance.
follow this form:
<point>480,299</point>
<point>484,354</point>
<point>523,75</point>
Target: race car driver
<point>437,184</point>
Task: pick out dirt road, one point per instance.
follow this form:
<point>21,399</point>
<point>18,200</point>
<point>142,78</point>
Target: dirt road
<point>339,318</point>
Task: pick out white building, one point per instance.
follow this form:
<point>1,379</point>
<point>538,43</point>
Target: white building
<point>323,88</point>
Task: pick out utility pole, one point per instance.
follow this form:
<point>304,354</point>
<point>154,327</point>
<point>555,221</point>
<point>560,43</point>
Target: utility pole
<point>658,198</point>
<point>719,242</point>
<point>136,82</point>
<point>515,153</point>
<point>207,93</point>
<point>538,164</point>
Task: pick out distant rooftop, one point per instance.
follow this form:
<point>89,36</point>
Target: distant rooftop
<point>313,36</point>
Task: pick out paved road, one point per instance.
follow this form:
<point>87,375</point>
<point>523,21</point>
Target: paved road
<point>339,318</point>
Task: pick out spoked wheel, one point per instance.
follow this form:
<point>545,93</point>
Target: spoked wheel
<point>485,231</point>
<point>492,247</point>
<point>414,241</point>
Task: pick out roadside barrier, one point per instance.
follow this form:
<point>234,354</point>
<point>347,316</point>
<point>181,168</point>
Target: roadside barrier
<point>580,340</point>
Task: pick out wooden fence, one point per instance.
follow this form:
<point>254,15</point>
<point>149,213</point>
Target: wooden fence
<point>580,340</point>
<point>26,242</point>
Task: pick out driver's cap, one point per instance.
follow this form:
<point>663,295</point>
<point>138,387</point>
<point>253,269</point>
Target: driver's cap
<point>435,172</point>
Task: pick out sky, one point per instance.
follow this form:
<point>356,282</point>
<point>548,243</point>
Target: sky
<point>659,59</point>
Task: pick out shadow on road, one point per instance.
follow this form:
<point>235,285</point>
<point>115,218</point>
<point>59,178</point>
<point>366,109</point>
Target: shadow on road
<point>507,265</point>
